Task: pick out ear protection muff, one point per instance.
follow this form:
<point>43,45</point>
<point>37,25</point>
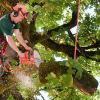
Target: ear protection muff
<point>15,13</point>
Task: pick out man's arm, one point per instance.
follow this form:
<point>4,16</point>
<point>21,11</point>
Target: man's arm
<point>20,39</point>
<point>13,45</point>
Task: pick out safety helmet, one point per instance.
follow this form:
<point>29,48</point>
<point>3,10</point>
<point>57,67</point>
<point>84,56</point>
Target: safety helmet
<point>20,7</point>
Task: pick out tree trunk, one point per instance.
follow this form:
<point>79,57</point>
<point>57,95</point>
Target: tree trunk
<point>87,83</point>
<point>16,94</point>
<point>4,95</point>
<point>11,79</point>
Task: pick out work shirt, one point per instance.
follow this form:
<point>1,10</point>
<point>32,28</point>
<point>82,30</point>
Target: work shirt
<point>7,26</point>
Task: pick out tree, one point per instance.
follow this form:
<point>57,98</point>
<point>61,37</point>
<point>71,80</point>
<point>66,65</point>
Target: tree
<point>48,31</point>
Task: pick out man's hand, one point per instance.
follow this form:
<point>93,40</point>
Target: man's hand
<point>21,55</point>
<point>28,48</point>
<point>21,40</point>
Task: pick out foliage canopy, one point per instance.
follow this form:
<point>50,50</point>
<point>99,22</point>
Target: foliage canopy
<point>47,30</point>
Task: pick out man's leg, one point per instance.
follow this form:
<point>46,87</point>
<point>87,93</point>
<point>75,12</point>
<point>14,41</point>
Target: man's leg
<point>1,68</point>
<point>3,65</point>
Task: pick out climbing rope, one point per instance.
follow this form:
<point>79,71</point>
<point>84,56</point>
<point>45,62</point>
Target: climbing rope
<point>76,36</point>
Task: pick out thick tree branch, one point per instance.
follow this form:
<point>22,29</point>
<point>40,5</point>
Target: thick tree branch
<point>69,25</point>
<point>4,95</point>
<point>82,51</point>
<point>45,39</point>
<point>16,94</point>
<point>87,83</point>
<point>95,45</point>
<point>67,49</point>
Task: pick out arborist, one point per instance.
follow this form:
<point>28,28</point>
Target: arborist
<point>9,24</point>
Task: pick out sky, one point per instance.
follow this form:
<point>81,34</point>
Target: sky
<point>98,79</point>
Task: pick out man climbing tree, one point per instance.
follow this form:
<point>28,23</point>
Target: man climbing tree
<point>9,24</point>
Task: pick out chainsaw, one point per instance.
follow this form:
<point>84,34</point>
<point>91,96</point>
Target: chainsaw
<point>27,59</point>
<point>30,58</point>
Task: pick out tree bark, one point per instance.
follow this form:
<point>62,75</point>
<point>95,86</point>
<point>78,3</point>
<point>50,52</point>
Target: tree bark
<point>87,83</point>
<point>16,94</point>
<point>4,95</point>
